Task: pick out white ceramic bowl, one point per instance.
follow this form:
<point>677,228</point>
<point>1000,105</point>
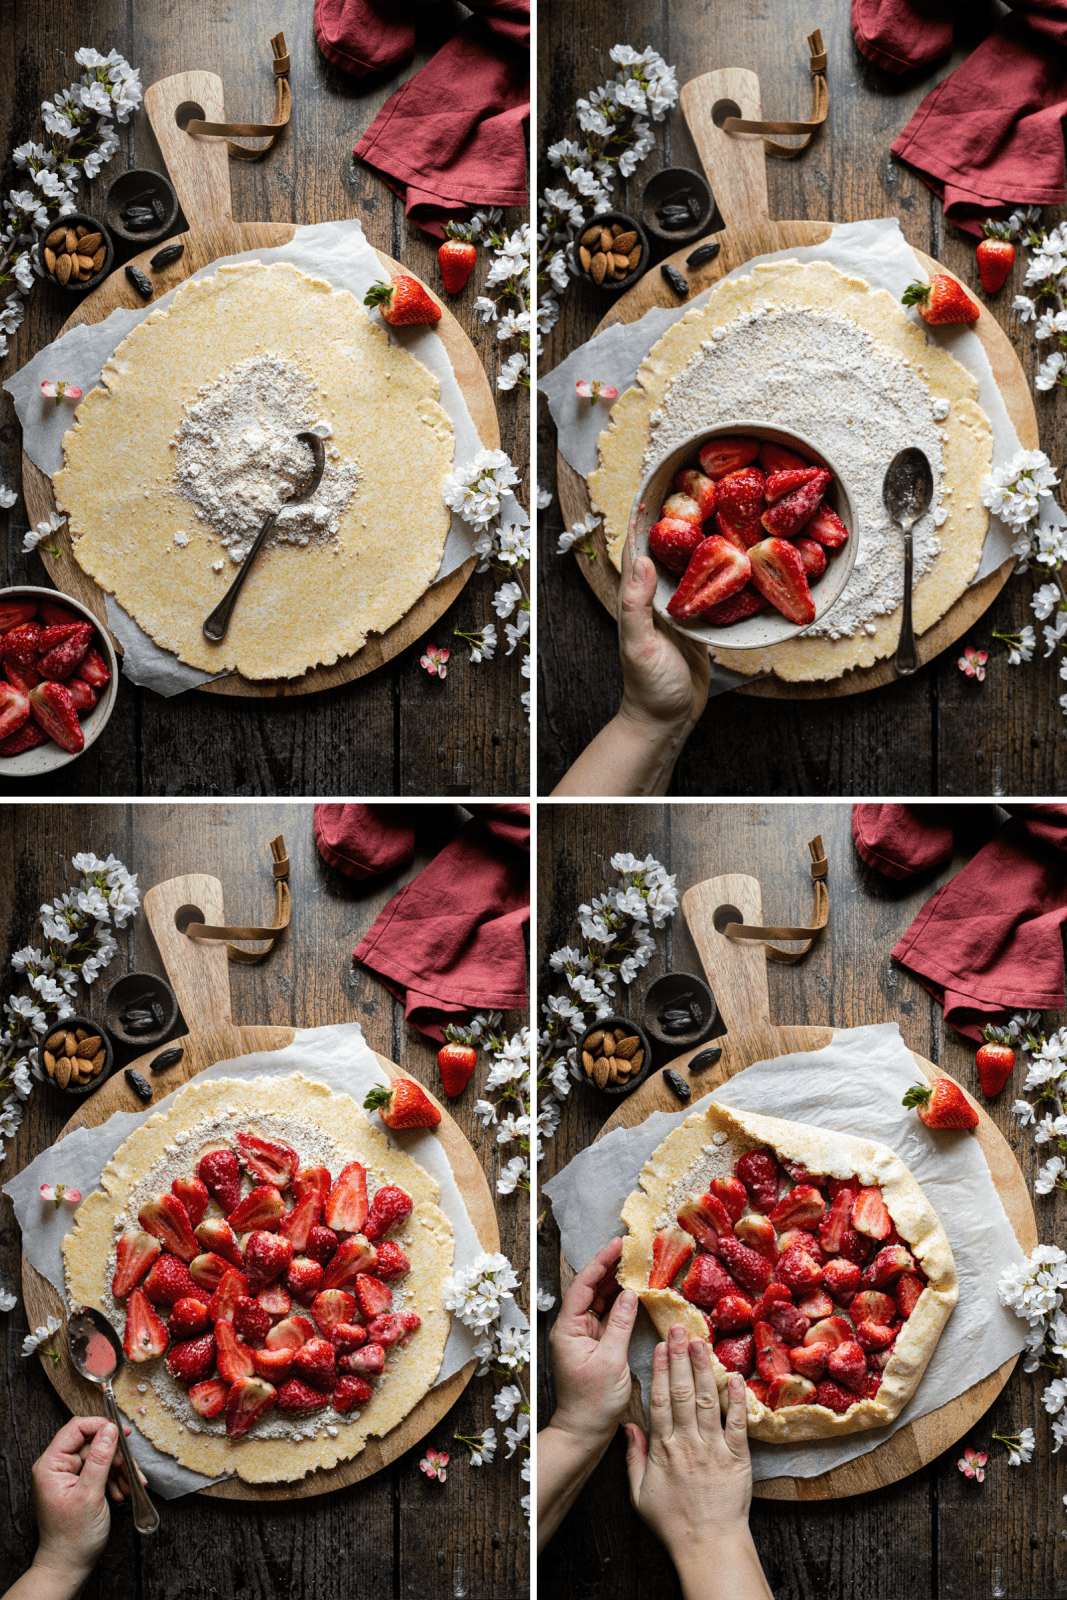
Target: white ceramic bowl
<point>48,757</point>
<point>769,627</point>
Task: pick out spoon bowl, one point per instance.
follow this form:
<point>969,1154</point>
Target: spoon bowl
<point>97,1355</point>
<point>907,489</point>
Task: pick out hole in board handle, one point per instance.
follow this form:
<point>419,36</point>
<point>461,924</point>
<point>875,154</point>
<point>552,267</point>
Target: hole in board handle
<point>186,914</point>
<point>189,109</point>
<point>723,109</point>
<point>723,916</point>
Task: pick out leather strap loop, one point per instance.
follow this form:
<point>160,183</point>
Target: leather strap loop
<point>820,106</point>
<point>819,917</point>
<point>282,912</point>
<point>283,106</point>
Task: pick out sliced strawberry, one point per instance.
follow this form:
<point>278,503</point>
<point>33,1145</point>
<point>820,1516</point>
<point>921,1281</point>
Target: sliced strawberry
<point>28,737</point>
<point>752,1270</point>
<point>784,482</point>
<point>797,1238</point>
<point>873,1336</point>
<point>208,1399</point>
<point>22,645</point>
<point>887,1267</point>
<point>847,1365</point>
<point>354,1256</point>
<point>731,1191</point>
<point>215,1235</point>
<point>826,527</point>
<point>220,1174</point>
<point>874,1383</point>
<point>332,1307</point>
<point>772,1354</point>
<point>815,1305</point>
<point>798,1271</point>
<point>791,1390</point>
<point>56,633</point>
<point>270,1160</point>
<point>747,602</point>
<point>731,1314</point>
<point>367,1362</point>
<point>262,1208</point>
<point>870,1306</point>
<point>869,1214</point>
<point>831,1331</point>
<point>134,1254</point>
<point>776,458</point>
<point>208,1270</point>
<point>188,1317</point>
<point>722,456</point>
<point>94,670</point>
<point>855,1247</point>
<point>393,1328</point>
<point>698,486</point>
<point>234,1356</point>
<point>304,1279</point>
<point>706,1218</point>
<point>248,1400</point>
<point>392,1262</point>
<point>774,1294</point>
<point>778,573</point>
<point>297,1396</point>
<point>14,710</point>
<point>348,1336</point>
<point>683,508</point>
<point>275,1299</point>
<point>907,1292</point>
<point>193,1359</point>
<point>145,1337</point>
<point>739,507</point>
<point>290,1334</point>
<point>715,571</point>
<point>226,1296</point>
<point>802,1207</point>
<point>839,1185</point>
<point>842,1279</point>
<point>813,556</point>
<point>250,1320</point>
<point>758,1233</point>
<point>759,1172</point>
<point>833,1397</point>
<point>372,1296</point>
<point>53,710</point>
<point>835,1222</point>
<point>346,1205</point>
<point>810,1360</point>
<point>308,1178</point>
<point>322,1244</point>
<point>168,1281</point>
<point>274,1365</point>
<point>789,514</point>
<point>758,1388</point>
<point>315,1363</point>
<point>672,540</point>
<point>349,1393</point>
<point>193,1196</point>
<point>13,613</point>
<point>64,657</point>
<point>390,1207</point>
<point>297,1224</point>
<point>267,1257</point>
<point>737,1355</point>
<point>789,1322</point>
<point>672,1251</point>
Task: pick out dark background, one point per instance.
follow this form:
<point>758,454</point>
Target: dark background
<point>936,1533</point>
<point>936,733</point>
<point>395,731</point>
<point>398,1535</point>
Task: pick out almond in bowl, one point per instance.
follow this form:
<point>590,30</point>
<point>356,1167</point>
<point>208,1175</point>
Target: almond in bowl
<point>615,1055</point>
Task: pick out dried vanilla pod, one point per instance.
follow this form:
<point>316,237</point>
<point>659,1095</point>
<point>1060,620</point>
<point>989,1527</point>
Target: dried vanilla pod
<point>140,1086</point>
<point>139,281</point>
<point>169,253</point>
<point>679,1085</point>
<point>703,253</point>
<point>676,279</point>
<point>706,1058</point>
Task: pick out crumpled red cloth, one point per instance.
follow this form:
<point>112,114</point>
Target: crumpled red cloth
<point>990,941</point>
<point>452,137</point>
<point>988,137</point>
<point>903,841</point>
<point>451,942</point>
<point>363,841</point>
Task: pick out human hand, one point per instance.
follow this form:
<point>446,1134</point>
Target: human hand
<point>69,1484</point>
<point>589,1362</point>
<point>665,674</point>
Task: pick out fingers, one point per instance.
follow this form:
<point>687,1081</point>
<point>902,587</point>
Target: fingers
<point>71,1444</point>
<point>736,1427</point>
<point>636,627</point>
<point>582,1292</point>
<point>680,1374</point>
<point>97,1466</point>
<point>660,1415</point>
<point>616,1329</point>
<point>707,1393</point>
<point>636,1456</point>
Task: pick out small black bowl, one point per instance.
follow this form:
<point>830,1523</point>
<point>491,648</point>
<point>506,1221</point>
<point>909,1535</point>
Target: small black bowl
<point>75,219</point>
<point>126,187</point>
<point>617,1090</point>
<point>130,988</point>
<point>669,989</point>
<point>604,220</point>
<point>660,188</point>
<point>79,1091</point>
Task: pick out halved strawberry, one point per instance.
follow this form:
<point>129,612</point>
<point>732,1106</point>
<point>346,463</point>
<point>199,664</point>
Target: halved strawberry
<point>873,1335</point>
<point>23,679</point>
<point>315,1363</point>
<point>220,1174</point>
<point>393,1328</point>
<point>772,1354</point>
<point>94,669</point>
<point>715,571</point>
<point>752,1270</point>
<point>22,644</point>
<point>869,1214</point>
<point>349,1393</point>
<point>208,1270</point>
<point>366,1362</point>
<point>731,1314</point>
<point>168,1281</point>
<point>392,1262</point>
<point>758,1388</point>
<point>248,1400</point>
<point>297,1224</point>
<point>813,555</point>
<point>737,1355</point>
<point>706,1218</point>
<point>354,1256</point>
<point>778,573</point>
<point>731,1191</point>
<point>784,482</point>
<point>683,508</point>
<point>83,697</point>
<point>267,1257</point>
<point>870,1306</point>
<point>791,1390</point>
<point>799,1239</point>
<point>226,1296</point>
<point>833,1397</point>
<point>789,514</point>
<point>802,1207</point>
<point>167,1219</point>
<point>295,1395</point>
<point>758,1170</point>
<point>826,527</point>
<point>275,1299</point>
<point>193,1196</point>
<point>250,1320</point>
<point>834,1223</point>
<point>747,602</point>
<point>308,1178</point>
<point>774,1294</point>
<point>842,1279</point>
<point>209,1398</point>
<point>28,737</point>
<point>855,1247</point>
<point>348,1336</point>
<point>907,1292</point>
<point>810,1359</point>
<point>188,1317</point>
<point>134,1254</point>
<point>270,1160</point>
<point>144,1337</point>
<point>739,506</point>
<point>887,1267</point>
<point>847,1365</point>
<point>13,613</point>
<point>304,1279</point>
<point>322,1244</point>
<point>261,1208</point>
<point>672,540</point>
<point>332,1307</point>
<point>722,456</point>
<point>290,1334</point>
<point>839,1185</point>
<point>346,1204</point>
<point>390,1207</point>
<point>815,1305</point>
<point>234,1356</point>
<point>53,710</point>
<point>789,1322</point>
<point>61,659</point>
<point>798,1270</point>
<point>776,458</point>
<point>192,1359</point>
<point>698,486</point>
<point>874,1383</point>
<point>880,1359</point>
<point>274,1365</point>
<point>372,1296</point>
<point>14,710</point>
<point>672,1251</point>
<point>214,1234</point>
<point>758,1233</point>
<point>831,1331</point>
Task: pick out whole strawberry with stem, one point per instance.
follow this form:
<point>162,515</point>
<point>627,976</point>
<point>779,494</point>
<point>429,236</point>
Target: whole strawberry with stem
<point>456,1060</point>
<point>941,301</point>
<point>402,301</point>
<point>404,1104</point>
<point>457,257</point>
<point>941,1104</point>
<point>995,256</point>
<point>995,1060</point>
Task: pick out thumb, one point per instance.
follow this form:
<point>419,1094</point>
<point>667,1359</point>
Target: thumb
<point>616,1330</point>
<point>636,1456</point>
<point>98,1461</point>
<point>638,586</point>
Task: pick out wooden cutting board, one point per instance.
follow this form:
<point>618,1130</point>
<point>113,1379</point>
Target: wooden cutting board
<point>199,170</point>
<point>737,972</point>
<point>198,973</point>
<point>735,168</point>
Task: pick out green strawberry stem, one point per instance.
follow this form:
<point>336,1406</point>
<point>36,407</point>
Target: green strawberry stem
<point>915,294</point>
<point>379,294</point>
<point>917,1095</point>
<point>377,1099</point>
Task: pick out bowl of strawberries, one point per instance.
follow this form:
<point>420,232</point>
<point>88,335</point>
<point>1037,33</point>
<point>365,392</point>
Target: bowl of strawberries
<point>58,680</point>
<point>751,528</point>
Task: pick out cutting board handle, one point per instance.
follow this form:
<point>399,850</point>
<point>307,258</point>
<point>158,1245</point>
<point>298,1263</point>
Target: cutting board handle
<point>733,162</point>
<point>198,168</point>
<point>736,969</point>
<point>197,970</point>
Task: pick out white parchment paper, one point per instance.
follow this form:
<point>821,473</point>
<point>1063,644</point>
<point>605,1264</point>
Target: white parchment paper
<point>337,1056</point>
<point>336,251</point>
<point>854,1085</point>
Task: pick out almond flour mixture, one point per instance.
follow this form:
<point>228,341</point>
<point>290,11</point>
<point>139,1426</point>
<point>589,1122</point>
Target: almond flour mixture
<point>238,458</point>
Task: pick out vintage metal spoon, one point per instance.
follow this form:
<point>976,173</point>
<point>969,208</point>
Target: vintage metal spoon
<point>906,493</point>
<point>216,624</point>
<point>97,1364</point>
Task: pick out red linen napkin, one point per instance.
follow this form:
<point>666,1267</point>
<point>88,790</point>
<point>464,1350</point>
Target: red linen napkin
<point>452,137</point>
<point>362,841</point>
<point>988,137</point>
<point>903,841</point>
<point>363,36</point>
<point>451,942</point>
<point>990,941</point>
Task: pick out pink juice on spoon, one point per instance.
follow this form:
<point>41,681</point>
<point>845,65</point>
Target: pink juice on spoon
<point>99,1356</point>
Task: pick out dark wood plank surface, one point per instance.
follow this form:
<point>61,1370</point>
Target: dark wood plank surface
<point>937,733</point>
<point>934,1533</point>
<point>368,737</point>
<point>398,1535</point>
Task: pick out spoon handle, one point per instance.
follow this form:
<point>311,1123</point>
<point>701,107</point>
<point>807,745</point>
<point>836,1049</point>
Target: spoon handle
<point>216,624</point>
<point>907,656</point>
<point>145,1515</point>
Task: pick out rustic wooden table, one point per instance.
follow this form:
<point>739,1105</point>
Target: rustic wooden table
<point>934,1533</point>
<point>368,737</point>
<point>398,1534</point>
<point>936,733</point>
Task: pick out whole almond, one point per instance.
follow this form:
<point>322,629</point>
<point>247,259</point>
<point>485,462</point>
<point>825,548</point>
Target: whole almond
<point>600,1071</point>
<point>70,1046</point>
<point>49,259</point>
<point>616,229</point>
<point>71,245</point>
<point>63,268</point>
<point>637,1061</point>
<point>56,238</point>
<point>90,1044</point>
<point>622,263</point>
<point>587,1062</point>
<point>90,243</point>
<point>634,257</point>
<point>584,257</point>
<point>591,236</point>
<point>613,1070</point>
<point>628,1047</point>
<point>50,1063</point>
<point>624,242</point>
<point>608,1046</point>
<point>85,263</point>
<point>605,240</point>
<point>595,1040</point>
<point>80,1034</point>
<point>80,230</point>
<point>599,267</point>
<point>55,1040</point>
<point>98,259</point>
<point>97,1065</point>
<point>63,1071</point>
<point>99,1059</point>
